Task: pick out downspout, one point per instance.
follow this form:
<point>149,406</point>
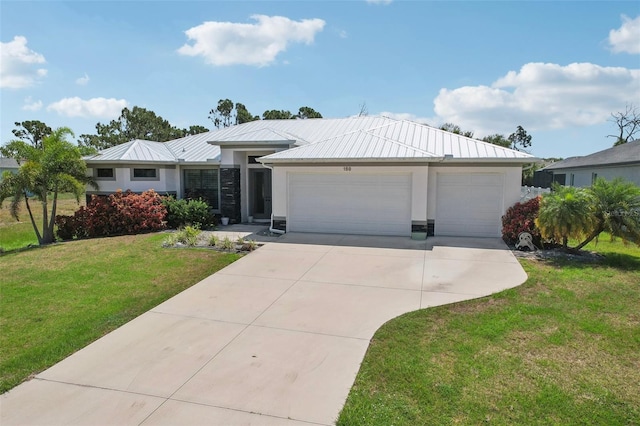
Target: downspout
<point>271,228</point>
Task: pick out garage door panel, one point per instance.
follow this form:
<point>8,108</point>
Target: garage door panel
<point>350,203</point>
<point>469,204</point>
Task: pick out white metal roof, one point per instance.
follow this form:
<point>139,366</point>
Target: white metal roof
<point>399,139</point>
<point>190,149</point>
<point>298,131</point>
<point>353,138</point>
<point>195,149</point>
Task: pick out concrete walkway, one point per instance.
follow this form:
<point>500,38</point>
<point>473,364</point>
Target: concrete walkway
<point>275,338</point>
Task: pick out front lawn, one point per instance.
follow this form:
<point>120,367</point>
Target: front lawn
<point>17,234</point>
<point>57,299</point>
<point>563,348</point>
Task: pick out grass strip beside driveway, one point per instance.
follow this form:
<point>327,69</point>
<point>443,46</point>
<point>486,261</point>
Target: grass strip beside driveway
<point>57,299</point>
<point>563,348</point>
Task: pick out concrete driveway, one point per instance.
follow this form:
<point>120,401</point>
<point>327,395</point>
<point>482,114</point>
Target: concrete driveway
<point>276,338</point>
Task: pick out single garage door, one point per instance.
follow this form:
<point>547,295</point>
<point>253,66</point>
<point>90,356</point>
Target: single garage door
<point>350,203</point>
<point>469,204</point>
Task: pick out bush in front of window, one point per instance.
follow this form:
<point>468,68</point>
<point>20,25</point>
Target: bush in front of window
<point>121,213</point>
<point>182,213</point>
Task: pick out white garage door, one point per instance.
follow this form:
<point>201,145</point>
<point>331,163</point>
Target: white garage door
<point>469,204</point>
<point>350,203</point>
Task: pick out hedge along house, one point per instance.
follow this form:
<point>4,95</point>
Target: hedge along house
<point>358,175</point>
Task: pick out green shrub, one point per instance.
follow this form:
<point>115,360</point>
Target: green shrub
<point>188,235</point>
<point>170,240</point>
<point>214,240</point>
<point>227,244</point>
<point>187,212</point>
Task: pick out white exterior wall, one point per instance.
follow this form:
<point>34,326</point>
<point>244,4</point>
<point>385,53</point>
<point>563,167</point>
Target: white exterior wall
<point>583,177</point>
<point>168,180</point>
<point>419,178</point>
<point>512,178</point>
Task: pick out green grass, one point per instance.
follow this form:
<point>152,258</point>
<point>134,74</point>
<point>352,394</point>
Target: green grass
<point>560,349</point>
<point>57,299</point>
<point>18,234</point>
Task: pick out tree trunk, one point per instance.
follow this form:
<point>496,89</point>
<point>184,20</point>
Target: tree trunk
<point>591,236</point>
<point>565,243</point>
<point>54,207</point>
<point>47,235</point>
<point>33,221</point>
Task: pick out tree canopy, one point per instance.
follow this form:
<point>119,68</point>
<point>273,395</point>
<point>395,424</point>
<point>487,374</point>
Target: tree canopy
<point>519,139</point>
<point>135,123</point>
<point>274,114</point>
<point>307,112</point>
<point>584,213</point>
<point>565,213</point>
<point>454,128</point>
<point>32,131</point>
<point>498,139</point>
<point>54,167</point>
<point>226,114</point>
<point>627,123</point>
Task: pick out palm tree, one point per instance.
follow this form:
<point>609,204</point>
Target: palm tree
<point>45,171</point>
<point>565,213</point>
<point>616,209</point>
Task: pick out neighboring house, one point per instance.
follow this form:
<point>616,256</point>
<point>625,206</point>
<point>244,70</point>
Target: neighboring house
<point>620,161</point>
<point>359,175</point>
<point>8,164</point>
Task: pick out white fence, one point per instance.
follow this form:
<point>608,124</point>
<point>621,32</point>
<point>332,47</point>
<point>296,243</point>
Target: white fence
<point>529,192</point>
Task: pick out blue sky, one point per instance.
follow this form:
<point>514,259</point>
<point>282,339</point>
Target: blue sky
<point>556,68</point>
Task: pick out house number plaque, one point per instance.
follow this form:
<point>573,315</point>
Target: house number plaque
<point>347,168</point>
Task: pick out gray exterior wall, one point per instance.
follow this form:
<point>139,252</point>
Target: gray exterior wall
<point>583,177</point>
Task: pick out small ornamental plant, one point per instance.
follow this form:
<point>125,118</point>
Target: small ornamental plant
<point>519,218</point>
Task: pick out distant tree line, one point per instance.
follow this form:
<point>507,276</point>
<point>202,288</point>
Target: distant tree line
<point>226,114</point>
<point>141,123</point>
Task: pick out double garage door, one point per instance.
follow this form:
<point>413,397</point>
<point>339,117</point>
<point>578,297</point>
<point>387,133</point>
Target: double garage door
<point>467,204</point>
<point>350,203</point>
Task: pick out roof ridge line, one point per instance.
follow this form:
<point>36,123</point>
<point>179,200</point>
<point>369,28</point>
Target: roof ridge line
<point>356,131</point>
<point>131,144</point>
<point>402,144</point>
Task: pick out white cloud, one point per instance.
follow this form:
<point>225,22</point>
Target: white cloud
<point>31,105</point>
<point>541,96</point>
<point>227,43</point>
<point>343,34</point>
<point>94,107</point>
<point>627,37</point>
<point>83,81</point>
<point>385,2</point>
<point>18,64</point>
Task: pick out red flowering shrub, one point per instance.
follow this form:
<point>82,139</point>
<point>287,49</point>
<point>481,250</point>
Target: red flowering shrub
<point>521,218</point>
<point>121,213</point>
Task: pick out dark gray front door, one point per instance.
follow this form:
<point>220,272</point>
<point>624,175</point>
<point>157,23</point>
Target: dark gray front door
<point>260,193</point>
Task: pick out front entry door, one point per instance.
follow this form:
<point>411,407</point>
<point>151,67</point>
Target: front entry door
<point>260,193</point>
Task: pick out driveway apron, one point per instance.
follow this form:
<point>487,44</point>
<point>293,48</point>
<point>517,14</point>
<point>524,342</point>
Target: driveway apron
<point>275,338</point>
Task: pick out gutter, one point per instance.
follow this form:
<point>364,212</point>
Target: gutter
<point>382,161</point>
